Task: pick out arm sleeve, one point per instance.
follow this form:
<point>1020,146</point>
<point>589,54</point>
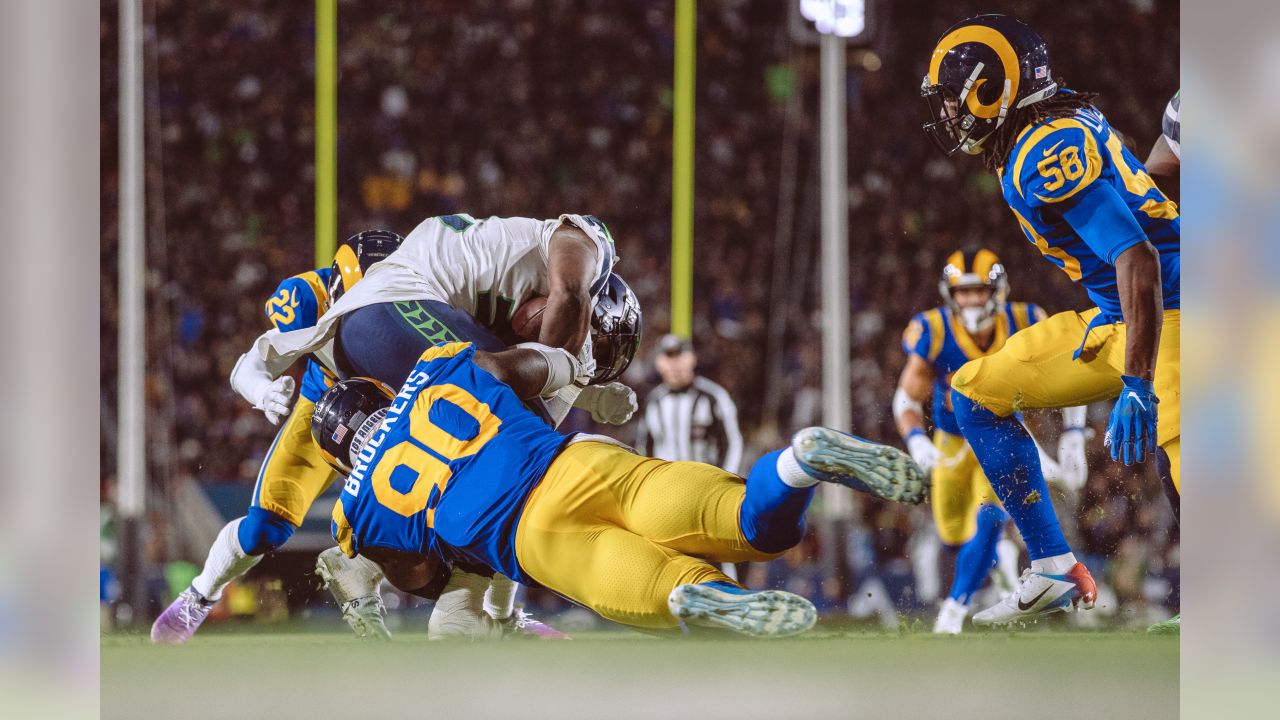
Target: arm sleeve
<point>727,428</point>
<point>915,338</point>
<point>1102,219</point>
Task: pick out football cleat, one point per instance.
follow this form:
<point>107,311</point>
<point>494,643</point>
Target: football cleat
<point>865,466</point>
<point>181,619</point>
<point>1042,594</point>
<point>950,618</point>
<point>522,624</point>
<point>1172,626</point>
<point>354,584</point>
<point>767,613</point>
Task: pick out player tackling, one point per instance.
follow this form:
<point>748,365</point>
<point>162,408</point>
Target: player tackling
<point>455,469</point>
<point>1091,209</point>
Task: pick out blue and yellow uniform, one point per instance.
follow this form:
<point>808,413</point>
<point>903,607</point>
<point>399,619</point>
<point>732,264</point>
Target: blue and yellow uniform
<point>1082,199</point>
<point>294,472</point>
<point>940,339</point>
<point>462,470</point>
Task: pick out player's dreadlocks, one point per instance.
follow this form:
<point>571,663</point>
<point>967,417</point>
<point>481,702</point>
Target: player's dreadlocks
<point>1058,105</point>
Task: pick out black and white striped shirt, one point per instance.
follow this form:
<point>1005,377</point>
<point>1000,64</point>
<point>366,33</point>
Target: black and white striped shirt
<point>698,423</point>
<point>1171,125</point>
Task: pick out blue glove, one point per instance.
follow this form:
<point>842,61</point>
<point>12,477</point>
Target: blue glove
<point>1131,431</point>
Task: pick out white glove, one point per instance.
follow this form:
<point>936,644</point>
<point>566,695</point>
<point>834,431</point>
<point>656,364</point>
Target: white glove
<point>612,403</point>
<point>251,380</point>
<point>1075,468</point>
<point>586,363</point>
<point>922,450</point>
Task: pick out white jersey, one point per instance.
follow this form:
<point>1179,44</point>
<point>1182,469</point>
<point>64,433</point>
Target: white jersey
<point>485,267</point>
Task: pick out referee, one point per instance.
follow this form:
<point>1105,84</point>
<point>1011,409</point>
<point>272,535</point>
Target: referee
<point>688,417</point>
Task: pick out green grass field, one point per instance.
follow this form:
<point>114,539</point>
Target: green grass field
<point>831,674</point>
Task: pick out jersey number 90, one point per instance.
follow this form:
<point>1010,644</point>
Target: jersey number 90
<point>409,464</point>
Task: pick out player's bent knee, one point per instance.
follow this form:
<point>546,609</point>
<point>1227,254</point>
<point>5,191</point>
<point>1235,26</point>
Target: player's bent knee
<point>262,531</point>
<point>953,533</point>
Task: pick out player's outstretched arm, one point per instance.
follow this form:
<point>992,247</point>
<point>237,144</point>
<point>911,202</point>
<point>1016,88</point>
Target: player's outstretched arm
<point>1141,301</point>
<point>532,369</point>
<point>572,263</point>
<point>915,385</point>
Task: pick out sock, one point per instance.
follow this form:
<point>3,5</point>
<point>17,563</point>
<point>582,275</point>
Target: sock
<point>500,597</point>
<point>226,562</point>
<point>790,472</point>
<point>978,555</point>
<point>1054,564</point>
<point>1011,461</point>
<point>772,511</point>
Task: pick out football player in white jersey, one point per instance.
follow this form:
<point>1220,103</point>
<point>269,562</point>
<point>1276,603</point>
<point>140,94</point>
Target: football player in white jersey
<point>458,278</point>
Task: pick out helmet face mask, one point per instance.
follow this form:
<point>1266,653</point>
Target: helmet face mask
<point>616,327</point>
<point>950,130</point>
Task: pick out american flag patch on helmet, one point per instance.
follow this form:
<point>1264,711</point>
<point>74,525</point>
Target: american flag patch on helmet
<point>339,433</point>
<point>1042,72</point>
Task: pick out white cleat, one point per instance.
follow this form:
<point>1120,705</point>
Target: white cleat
<point>854,462</point>
<point>354,584</point>
<point>1041,594</point>
<point>950,618</point>
<point>766,613</point>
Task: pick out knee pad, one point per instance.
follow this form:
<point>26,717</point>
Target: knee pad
<point>262,531</point>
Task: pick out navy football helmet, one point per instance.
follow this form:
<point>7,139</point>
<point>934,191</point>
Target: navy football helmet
<point>616,324</point>
<point>356,255</point>
<point>982,69</point>
<point>345,417</point>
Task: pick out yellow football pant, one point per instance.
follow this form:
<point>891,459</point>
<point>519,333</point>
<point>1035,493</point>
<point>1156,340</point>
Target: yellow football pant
<point>1035,369</point>
<point>294,472</point>
<point>959,488</point>
<point>616,531</point>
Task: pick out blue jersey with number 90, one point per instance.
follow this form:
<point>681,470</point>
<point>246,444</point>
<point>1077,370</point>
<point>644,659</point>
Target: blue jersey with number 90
<point>449,469</point>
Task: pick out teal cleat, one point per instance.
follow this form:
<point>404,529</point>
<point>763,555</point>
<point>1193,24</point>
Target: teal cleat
<point>762,614</point>
<point>865,466</point>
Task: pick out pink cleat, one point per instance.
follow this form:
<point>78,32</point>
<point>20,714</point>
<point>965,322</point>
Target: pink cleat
<point>181,619</point>
<point>522,623</point>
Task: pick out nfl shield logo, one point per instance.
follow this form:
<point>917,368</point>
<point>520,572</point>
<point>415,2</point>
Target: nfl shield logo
<point>1042,72</point>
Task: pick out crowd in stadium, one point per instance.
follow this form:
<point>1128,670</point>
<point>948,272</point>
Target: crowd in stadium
<point>479,107</point>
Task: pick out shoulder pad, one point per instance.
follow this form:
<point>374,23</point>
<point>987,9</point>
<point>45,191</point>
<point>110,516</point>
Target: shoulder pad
<point>1055,161</point>
<point>298,302</point>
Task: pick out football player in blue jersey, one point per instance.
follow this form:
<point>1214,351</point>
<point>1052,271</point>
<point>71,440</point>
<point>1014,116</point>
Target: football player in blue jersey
<point>976,320</point>
<point>1090,208</point>
<point>455,469</point>
<point>294,472</point>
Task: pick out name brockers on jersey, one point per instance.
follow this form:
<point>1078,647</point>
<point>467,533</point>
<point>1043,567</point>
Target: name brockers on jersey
<point>398,406</point>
